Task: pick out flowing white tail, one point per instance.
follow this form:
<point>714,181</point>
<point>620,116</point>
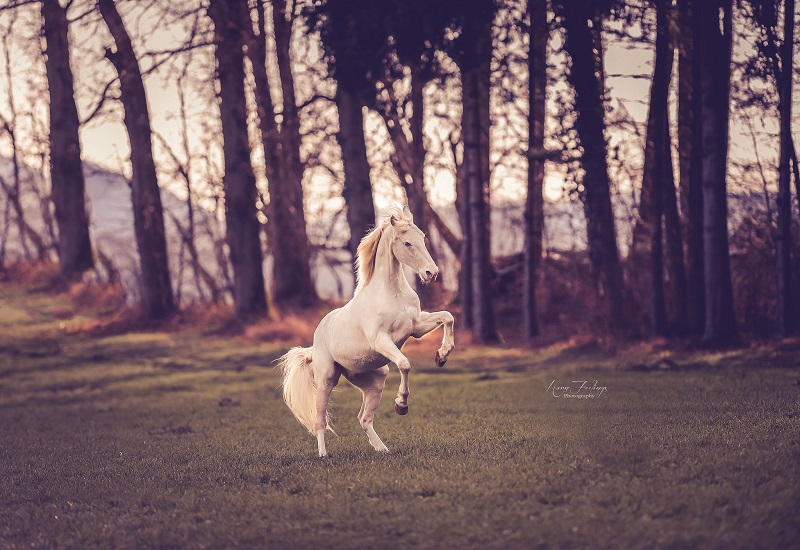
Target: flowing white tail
<point>298,387</point>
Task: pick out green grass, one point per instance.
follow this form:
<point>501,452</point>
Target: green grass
<point>182,440</point>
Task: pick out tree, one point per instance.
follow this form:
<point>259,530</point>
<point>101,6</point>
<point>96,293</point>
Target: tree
<point>243,231</point>
<point>786,316</point>
<point>691,164</point>
<point>474,58</point>
<point>657,223</point>
<point>534,204</point>
<point>286,226</point>
<point>66,168</point>
<point>148,216</point>
<point>586,78</point>
<point>355,41</point>
<point>713,42</point>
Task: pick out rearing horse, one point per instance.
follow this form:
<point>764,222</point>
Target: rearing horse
<point>360,338</point>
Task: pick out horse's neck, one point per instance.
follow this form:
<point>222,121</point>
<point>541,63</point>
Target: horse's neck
<point>388,270</point>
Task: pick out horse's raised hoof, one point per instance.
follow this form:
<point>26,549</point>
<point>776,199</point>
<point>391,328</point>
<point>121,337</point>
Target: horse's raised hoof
<point>440,361</point>
<point>402,410</point>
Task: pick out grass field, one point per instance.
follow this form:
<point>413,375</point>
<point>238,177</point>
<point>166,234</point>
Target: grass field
<point>182,440</point>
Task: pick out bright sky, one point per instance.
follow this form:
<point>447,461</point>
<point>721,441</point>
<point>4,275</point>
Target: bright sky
<point>105,142</point>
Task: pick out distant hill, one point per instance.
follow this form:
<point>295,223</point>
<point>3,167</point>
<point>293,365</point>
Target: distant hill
<point>112,231</point>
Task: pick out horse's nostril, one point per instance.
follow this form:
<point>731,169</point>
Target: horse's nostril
<point>428,274</point>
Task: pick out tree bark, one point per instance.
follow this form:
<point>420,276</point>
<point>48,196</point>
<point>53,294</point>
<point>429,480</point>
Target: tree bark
<point>476,75</point>
<point>534,204</point>
<point>415,189</point>
<point>291,278</point>
<point>357,191</point>
<point>585,77</point>
<point>786,317</point>
<point>690,140</point>
<point>715,52</point>
<point>66,168</point>
<point>243,230</point>
<point>648,234</point>
<point>465,248</point>
<point>677,312</point>
<point>148,215</point>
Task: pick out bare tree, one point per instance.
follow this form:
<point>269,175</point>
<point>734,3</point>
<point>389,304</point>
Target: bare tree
<point>13,189</point>
<point>786,315</point>
<point>713,44</point>
<point>291,279</point>
<point>474,59</point>
<point>353,49</point>
<point>66,168</point>
<point>148,216</point>
<point>691,159</point>
<point>534,205</point>
<point>243,233</point>
<point>587,79</point>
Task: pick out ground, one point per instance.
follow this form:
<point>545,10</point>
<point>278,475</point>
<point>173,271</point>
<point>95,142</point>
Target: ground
<point>181,439</point>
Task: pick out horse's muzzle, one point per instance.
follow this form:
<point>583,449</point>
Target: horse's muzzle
<point>429,276</point>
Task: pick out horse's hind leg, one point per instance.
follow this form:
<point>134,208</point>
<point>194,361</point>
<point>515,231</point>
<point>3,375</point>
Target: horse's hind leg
<point>326,376</point>
<point>371,385</point>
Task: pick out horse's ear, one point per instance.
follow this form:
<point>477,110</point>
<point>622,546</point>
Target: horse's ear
<point>407,213</point>
<point>397,221</point>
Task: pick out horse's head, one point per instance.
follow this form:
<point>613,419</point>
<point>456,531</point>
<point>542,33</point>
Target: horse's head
<point>408,246</point>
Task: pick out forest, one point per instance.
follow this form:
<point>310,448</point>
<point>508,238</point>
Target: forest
<point>279,129</point>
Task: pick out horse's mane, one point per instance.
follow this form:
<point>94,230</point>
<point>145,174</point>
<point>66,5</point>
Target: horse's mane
<point>368,247</point>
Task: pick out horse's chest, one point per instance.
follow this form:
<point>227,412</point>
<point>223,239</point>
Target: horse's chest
<point>399,323</point>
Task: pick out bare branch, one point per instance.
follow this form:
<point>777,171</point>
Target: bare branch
<point>105,96</point>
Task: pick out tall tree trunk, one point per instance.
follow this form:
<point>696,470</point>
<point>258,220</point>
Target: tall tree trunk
<point>786,317</point>
<point>585,77</point>
<point>148,215</point>
<point>243,231</point>
<point>534,204</point>
<point>690,140</point>
<point>465,248</point>
<point>648,235</point>
<point>677,312</point>
<point>357,189</point>
<point>66,169</point>
<point>476,75</point>
<point>291,278</point>
<point>714,47</point>
<point>415,189</point>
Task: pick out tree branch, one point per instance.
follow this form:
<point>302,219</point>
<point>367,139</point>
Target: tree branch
<point>105,96</point>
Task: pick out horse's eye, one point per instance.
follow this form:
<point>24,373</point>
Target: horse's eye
<point>407,244</point>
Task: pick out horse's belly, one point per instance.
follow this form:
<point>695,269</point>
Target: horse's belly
<point>367,360</point>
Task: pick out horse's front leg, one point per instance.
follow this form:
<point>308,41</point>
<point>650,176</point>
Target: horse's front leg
<point>383,344</point>
<point>427,322</point>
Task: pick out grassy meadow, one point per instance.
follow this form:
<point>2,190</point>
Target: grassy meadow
<point>181,440</point>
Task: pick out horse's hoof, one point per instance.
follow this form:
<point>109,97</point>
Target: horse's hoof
<point>440,361</point>
<point>402,410</point>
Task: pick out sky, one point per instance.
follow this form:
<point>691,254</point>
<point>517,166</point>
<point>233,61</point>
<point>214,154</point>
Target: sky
<point>105,142</point>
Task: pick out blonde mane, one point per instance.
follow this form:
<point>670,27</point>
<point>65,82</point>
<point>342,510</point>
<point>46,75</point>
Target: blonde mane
<point>368,247</point>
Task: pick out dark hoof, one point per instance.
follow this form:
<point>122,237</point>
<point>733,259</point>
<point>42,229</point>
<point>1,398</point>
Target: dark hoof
<point>402,410</point>
<point>440,361</point>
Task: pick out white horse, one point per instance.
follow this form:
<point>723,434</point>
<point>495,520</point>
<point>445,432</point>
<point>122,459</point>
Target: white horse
<point>360,338</point>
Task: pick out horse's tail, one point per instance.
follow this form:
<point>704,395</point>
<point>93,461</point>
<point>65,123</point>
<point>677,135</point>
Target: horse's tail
<point>298,386</point>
